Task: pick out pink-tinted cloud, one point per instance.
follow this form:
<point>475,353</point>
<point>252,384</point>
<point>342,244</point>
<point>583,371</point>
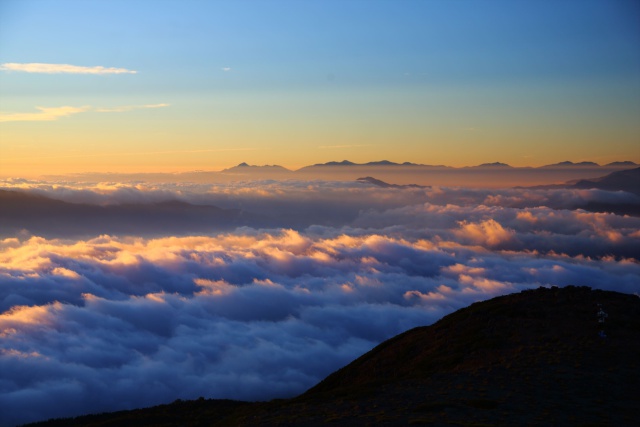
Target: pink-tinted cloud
<point>488,232</point>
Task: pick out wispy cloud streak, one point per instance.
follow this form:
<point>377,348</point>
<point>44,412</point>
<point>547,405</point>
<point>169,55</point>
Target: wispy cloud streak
<point>47,114</point>
<point>43,68</point>
<point>125,108</point>
<point>344,146</point>
<point>44,114</point>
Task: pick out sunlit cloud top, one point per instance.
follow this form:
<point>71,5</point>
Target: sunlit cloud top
<point>42,68</point>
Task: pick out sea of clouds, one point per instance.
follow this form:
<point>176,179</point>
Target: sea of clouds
<point>113,322</point>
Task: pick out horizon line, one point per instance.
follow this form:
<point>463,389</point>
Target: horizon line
<point>378,163</point>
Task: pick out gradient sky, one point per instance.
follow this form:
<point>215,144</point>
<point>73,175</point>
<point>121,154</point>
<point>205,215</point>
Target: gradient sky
<point>190,85</point>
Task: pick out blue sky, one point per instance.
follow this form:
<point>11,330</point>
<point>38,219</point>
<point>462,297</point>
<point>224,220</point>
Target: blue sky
<point>408,78</point>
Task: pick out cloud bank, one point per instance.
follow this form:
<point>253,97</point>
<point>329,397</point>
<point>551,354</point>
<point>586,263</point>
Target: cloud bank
<point>43,68</point>
<point>123,321</point>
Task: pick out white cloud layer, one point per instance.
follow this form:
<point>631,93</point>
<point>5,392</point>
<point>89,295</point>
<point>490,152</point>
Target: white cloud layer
<point>86,323</point>
<point>43,68</point>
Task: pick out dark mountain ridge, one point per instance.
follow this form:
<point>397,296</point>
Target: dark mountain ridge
<point>564,164</point>
<point>382,184</point>
<point>538,357</point>
<point>625,180</point>
<point>55,218</point>
<point>493,165</point>
<point>625,163</point>
<point>245,168</point>
<point>568,163</point>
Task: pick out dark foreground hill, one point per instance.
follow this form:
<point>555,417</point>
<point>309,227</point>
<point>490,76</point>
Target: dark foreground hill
<point>538,357</point>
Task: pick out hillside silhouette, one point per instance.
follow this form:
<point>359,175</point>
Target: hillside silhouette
<point>625,180</point>
<point>539,357</point>
<point>48,217</point>
<point>379,183</point>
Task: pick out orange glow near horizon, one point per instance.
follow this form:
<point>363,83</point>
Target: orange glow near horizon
<point>294,130</point>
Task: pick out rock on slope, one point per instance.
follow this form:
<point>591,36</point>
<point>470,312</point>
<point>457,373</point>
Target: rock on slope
<point>532,358</point>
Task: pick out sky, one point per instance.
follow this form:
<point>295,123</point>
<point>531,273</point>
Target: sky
<point>169,86</point>
<point>257,283</point>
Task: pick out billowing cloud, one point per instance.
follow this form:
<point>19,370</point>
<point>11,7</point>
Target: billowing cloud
<point>54,113</point>
<point>487,232</point>
<point>43,68</point>
<point>259,313</point>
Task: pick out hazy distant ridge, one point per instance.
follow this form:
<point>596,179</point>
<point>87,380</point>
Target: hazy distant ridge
<point>625,180</point>
<point>567,163</point>
<point>496,174</point>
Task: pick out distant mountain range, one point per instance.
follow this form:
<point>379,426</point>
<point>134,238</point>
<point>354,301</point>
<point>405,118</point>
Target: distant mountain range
<point>378,163</point>
<point>571,164</point>
<point>538,357</point>
<point>485,175</point>
<point>493,165</point>
<point>244,167</point>
<point>591,164</point>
